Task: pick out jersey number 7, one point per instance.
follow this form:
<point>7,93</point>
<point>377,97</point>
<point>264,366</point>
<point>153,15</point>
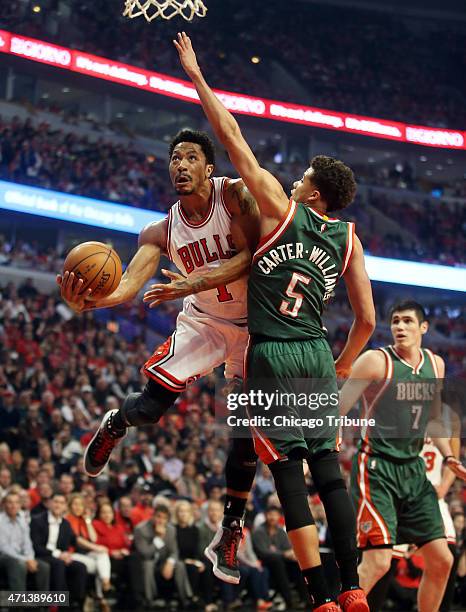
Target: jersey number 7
<point>290,292</point>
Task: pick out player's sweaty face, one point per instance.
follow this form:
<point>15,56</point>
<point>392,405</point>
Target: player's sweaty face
<point>406,329</point>
<point>188,168</point>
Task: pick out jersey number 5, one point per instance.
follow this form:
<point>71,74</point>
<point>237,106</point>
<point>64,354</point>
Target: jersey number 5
<point>290,292</point>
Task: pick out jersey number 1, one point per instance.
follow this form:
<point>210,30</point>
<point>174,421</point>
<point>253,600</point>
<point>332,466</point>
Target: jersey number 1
<point>223,295</point>
<point>290,292</point>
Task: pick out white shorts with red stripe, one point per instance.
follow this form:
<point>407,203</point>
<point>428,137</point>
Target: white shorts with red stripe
<point>199,344</point>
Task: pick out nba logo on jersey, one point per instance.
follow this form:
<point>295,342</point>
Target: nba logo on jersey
<point>366,526</point>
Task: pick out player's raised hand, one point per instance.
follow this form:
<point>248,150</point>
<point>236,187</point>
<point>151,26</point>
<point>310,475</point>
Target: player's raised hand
<point>187,56</point>
<point>456,467</point>
<point>179,287</point>
<point>70,289</point>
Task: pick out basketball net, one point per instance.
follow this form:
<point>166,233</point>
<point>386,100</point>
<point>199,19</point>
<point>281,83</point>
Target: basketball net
<point>166,9</point>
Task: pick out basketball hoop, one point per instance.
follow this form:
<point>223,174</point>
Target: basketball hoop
<point>166,9</point>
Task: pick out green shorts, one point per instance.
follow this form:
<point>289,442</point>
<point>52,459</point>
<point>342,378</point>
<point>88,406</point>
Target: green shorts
<point>394,502</point>
<point>302,419</point>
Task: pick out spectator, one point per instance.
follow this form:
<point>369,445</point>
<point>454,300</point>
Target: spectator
<point>43,477</point>
<point>273,548</point>
<point>45,492</point>
<point>16,551</point>
<point>113,536</point>
<point>66,485</point>
<point>408,574</point>
<point>162,572</point>
<point>253,573</point>
<point>190,484</point>
<point>172,466</point>
<point>160,482</point>
<point>5,482</point>
<point>52,538</point>
<point>10,416</point>
<point>29,478</point>
<point>207,530</point>
<point>217,477</point>
<point>189,547</point>
<point>65,448</point>
<point>143,509</point>
<point>87,551</point>
<point>25,505</point>
<point>123,516</point>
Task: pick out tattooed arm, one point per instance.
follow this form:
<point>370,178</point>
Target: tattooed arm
<point>244,211</point>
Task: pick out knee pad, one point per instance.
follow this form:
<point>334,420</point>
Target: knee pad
<point>326,473</point>
<point>292,492</point>
<point>148,407</point>
<point>240,467</point>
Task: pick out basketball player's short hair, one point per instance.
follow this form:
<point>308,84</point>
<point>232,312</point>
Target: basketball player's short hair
<point>334,180</point>
<point>196,137</point>
<point>409,305</point>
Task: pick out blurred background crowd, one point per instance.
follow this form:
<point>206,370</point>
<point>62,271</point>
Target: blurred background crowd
<point>139,530</point>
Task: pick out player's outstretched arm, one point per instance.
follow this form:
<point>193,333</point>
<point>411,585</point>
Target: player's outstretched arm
<point>141,268</point>
<point>358,287</point>
<point>266,189</point>
<point>367,368</point>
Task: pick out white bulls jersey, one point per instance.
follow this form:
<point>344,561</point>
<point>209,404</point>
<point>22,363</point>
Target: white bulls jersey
<point>434,465</point>
<point>434,461</point>
<point>196,248</point>
<point>430,453</point>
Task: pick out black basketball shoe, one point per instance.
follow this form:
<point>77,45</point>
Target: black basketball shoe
<point>223,550</point>
<point>100,448</point>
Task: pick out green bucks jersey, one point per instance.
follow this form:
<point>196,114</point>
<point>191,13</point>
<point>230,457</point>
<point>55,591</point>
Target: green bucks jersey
<point>400,405</point>
<point>294,272</point>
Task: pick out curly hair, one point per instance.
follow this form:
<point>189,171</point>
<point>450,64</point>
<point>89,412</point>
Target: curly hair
<point>196,137</point>
<point>334,180</point>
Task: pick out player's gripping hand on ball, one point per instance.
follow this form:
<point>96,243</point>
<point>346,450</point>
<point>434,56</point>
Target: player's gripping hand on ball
<point>70,289</point>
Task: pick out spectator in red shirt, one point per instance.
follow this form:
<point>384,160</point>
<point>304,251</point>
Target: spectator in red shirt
<point>112,535</point>
<point>143,510</point>
<point>403,589</point>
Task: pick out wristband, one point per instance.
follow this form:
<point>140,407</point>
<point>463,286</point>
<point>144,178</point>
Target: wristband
<point>445,459</point>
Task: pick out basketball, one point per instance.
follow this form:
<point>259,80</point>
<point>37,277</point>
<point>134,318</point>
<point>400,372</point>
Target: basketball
<point>98,265</point>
